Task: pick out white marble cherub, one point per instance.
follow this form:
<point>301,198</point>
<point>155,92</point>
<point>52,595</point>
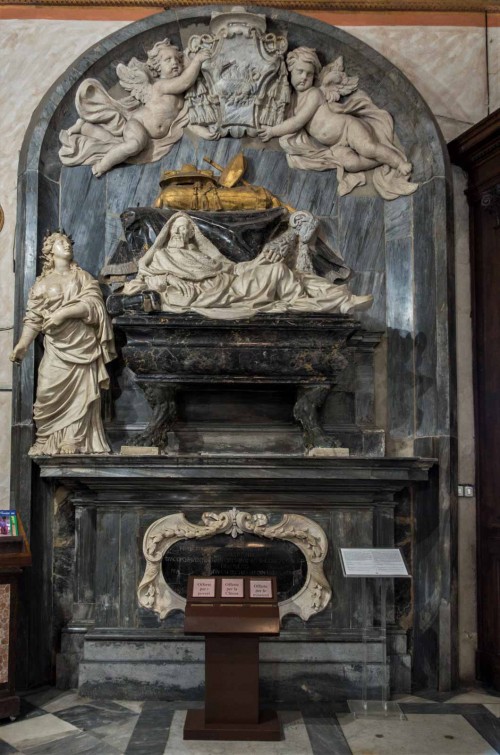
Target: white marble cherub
<point>110,132</point>
<point>322,133</point>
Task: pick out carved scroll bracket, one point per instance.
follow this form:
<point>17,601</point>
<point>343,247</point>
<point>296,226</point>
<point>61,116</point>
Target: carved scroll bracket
<point>307,535</point>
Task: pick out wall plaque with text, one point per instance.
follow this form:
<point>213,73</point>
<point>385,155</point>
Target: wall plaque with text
<point>373,562</point>
<point>242,590</point>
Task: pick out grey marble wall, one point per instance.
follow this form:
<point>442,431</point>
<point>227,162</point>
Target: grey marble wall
<point>399,250</point>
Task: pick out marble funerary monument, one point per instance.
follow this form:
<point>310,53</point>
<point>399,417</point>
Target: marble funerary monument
<point>242,357</point>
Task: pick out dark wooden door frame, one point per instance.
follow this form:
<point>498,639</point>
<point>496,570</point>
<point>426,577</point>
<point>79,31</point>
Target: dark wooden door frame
<point>477,151</point>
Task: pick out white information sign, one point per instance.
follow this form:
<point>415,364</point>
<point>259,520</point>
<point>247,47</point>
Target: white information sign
<point>373,562</point>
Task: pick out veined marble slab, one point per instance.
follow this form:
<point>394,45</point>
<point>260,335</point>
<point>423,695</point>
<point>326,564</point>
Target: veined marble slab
<point>421,734</point>
<point>494,67</point>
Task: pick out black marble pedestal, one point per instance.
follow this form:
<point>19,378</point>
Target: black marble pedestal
<point>308,351</point>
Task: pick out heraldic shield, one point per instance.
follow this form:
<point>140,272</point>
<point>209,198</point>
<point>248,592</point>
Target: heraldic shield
<point>244,84</point>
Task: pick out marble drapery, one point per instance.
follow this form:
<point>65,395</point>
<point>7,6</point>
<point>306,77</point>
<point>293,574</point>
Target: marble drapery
<point>72,370</point>
<point>193,275</point>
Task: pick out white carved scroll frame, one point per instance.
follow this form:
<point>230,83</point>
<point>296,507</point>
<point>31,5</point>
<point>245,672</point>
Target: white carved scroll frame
<point>313,597</point>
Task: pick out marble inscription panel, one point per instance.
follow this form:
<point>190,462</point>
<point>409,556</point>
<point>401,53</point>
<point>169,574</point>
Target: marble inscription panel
<point>246,555</point>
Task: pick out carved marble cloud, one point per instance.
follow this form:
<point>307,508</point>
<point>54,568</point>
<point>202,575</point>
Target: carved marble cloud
<point>191,274</point>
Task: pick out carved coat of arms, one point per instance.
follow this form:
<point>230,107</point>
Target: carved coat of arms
<point>244,83</point>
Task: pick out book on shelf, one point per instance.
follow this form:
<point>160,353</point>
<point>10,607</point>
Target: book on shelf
<point>8,523</point>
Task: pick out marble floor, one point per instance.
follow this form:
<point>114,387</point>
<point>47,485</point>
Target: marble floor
<point>62,723</point>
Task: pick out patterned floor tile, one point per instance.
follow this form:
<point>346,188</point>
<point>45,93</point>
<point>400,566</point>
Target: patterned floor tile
<point>295,742</point>
<point>35,731</point>
<point>91,717</point>
<point>7,749</point>
<point>475,697</point>
<point>75,744</point>
<point>495,709</point>
<point>420,734</point>
<point>64,700</point>
<point>118,736</point>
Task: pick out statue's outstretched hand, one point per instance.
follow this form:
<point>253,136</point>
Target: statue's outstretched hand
<point>202,55</point>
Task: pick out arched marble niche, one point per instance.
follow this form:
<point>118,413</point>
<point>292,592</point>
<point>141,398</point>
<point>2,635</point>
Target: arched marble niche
<point>400,250</point>
<point>397,249</point>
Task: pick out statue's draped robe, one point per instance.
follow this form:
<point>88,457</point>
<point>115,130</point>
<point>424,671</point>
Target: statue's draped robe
<point>222,290</point>
<point>72,371</point>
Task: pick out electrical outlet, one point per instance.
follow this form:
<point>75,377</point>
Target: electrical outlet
<point>460,491</point>
<point>469,491</point>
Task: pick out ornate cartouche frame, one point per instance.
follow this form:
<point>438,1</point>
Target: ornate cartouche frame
<point>314,595</point>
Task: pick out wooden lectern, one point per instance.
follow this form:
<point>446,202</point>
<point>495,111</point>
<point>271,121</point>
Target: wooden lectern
<point>232,613</point>
<point>15,555</point>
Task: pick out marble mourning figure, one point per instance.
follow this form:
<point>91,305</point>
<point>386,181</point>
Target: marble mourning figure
<point>192,275</point>
<point>353,135</point>
<point>66,305</point>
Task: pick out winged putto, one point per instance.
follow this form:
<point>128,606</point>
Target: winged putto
<point>333,125</point>
<point>140,127</point>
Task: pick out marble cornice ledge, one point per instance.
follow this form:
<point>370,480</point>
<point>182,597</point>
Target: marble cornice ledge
<point>378,477</point>
<point>467,6</point>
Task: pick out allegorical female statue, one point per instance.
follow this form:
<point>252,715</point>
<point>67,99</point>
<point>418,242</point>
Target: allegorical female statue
<point>192,275</point>
<point>66,305</point>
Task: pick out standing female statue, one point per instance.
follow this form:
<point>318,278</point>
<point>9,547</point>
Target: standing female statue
<point>66,305</point>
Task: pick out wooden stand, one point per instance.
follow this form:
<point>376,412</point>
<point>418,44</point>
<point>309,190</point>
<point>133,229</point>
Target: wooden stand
<point>15,555</point>
<point>232,627</point>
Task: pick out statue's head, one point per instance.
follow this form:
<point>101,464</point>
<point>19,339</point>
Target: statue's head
<point>304,223</point>
<point>303,64</point>
<point>57,252</point>
<point>182,229</point>
<point>165,60</point>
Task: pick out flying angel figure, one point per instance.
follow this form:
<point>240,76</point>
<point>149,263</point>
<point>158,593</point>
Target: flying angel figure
<point>324,133</point>
<point>148,121</point>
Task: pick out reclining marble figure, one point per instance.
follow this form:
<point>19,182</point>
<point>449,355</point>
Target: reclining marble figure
<point>192,275</point>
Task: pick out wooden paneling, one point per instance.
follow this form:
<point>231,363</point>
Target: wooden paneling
<point>478,152</point>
